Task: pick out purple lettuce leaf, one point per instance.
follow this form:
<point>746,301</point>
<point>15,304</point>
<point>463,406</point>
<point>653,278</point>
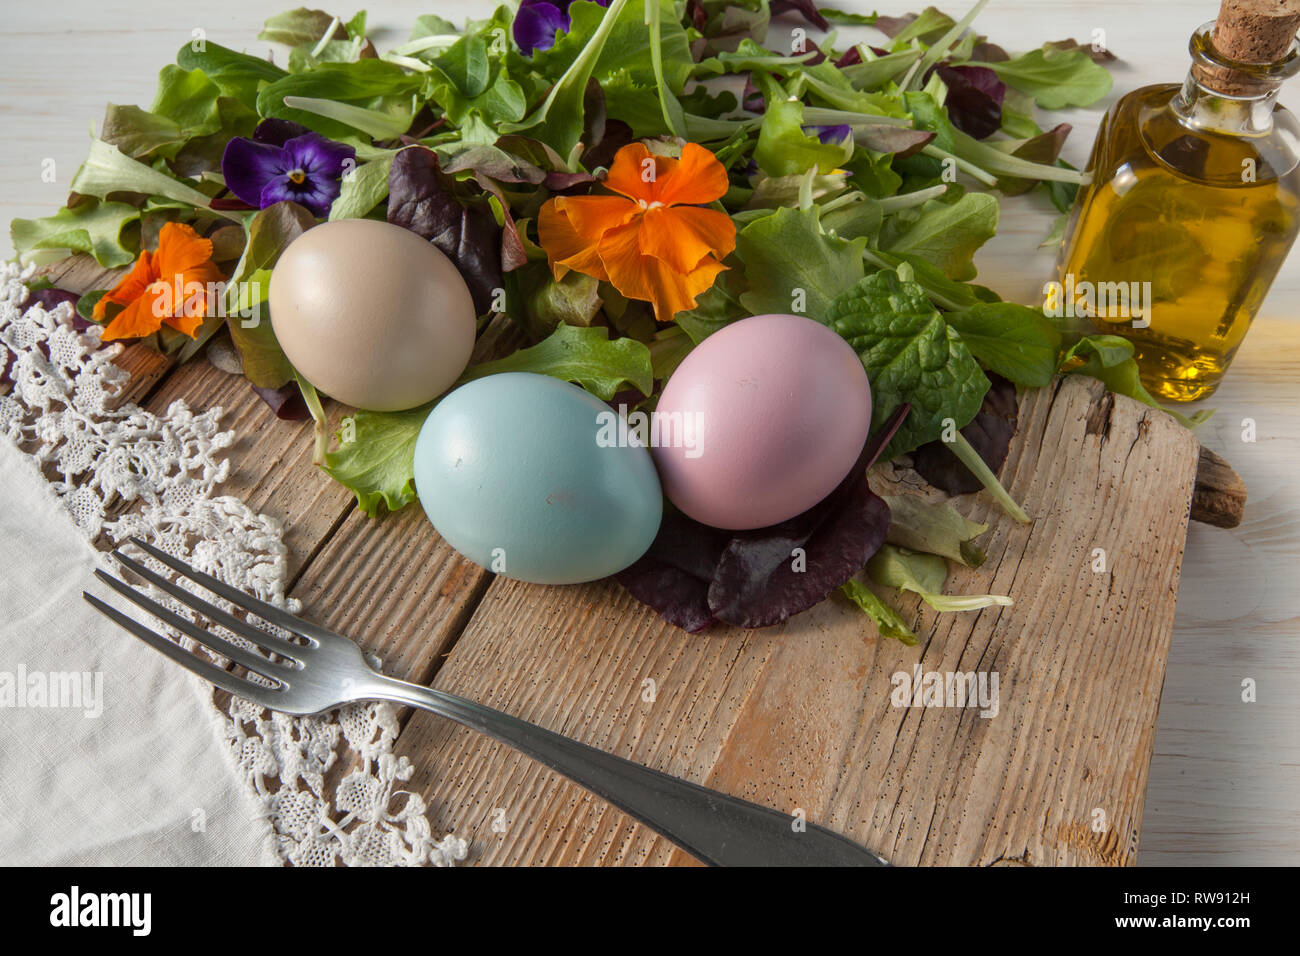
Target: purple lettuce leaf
<point>673,577</point>
<point>424,199</point>
<point>805,8</point>
<point>1044,148</point>
<point>989,433</point>
<point>286,402</point>
<point>756,584</point>
<point>694,574</point>
<point>974,100</point>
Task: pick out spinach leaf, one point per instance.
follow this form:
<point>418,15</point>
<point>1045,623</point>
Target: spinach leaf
<point>1017,342</point>
<point>911,355</point>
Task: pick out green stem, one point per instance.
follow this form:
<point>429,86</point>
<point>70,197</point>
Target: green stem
<point>907,200</point>
<point>652,20</point>
<point>824,116</point>
<point>971,459</point>
<point>320,446</point>
<point>970,169</point>
<point>940,49</point>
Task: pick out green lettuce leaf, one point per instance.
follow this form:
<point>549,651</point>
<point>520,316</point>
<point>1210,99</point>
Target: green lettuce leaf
<point>90,226</point>
<point>585,356</point>
<point>935,528</point>
<point>1055,78</point>
<point>823,267</point>
<point>944,234</point>
<point>925,575</point>
<point>377,462</point>
<point>888,621</point>
<point>235,74</point>
<point>1109,359</point>
<point>108,170</point>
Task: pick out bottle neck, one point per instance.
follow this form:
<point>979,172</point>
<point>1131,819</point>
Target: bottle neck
<point>1227,96</point>
<point>1201,108</point>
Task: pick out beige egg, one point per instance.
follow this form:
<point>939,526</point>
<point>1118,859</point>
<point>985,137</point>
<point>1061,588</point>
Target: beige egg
<point>372,314</point>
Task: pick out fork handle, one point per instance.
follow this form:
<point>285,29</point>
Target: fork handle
<point>713,827</point>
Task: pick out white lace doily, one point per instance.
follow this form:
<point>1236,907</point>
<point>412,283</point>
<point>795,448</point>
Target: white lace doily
<point>62,409</point>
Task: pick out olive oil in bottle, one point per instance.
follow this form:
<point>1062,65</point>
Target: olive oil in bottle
<point>1193,204</point>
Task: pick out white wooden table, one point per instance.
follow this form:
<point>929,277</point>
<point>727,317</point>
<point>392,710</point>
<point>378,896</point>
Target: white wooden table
<point>1225,778</point>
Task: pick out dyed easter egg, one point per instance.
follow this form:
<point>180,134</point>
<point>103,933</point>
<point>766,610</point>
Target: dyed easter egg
<point>778,407</point>
<point>372,314</point>
<point>517,473</point>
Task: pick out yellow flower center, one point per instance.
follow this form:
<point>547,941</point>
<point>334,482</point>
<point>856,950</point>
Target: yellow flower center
<point>297,177</point>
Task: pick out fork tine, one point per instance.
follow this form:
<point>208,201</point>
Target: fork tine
<point>254,662</point>
<point>268,612</point>
<point>208,671</point>
<point>268,642</point>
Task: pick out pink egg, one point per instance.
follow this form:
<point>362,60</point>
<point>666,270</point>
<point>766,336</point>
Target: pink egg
<point>761,421</point>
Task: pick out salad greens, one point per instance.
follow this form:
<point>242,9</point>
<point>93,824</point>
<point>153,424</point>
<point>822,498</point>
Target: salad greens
<point>860,178</point>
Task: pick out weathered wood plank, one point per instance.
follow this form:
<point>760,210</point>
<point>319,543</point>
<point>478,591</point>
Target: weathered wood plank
<point>800,717</point>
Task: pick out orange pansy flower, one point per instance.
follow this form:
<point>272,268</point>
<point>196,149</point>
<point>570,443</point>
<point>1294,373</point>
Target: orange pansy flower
<point>168,286</point>
<point>652,241</point>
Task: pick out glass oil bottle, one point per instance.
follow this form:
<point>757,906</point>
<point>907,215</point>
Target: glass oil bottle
<point>1193,204</point>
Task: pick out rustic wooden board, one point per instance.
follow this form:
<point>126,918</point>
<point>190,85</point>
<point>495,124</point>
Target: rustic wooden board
<point>799,717</point>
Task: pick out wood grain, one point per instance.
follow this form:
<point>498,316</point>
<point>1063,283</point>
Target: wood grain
<point>800,718</point>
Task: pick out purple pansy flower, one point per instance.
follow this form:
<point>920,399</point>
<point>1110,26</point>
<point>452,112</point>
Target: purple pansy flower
<point>285,161</point>
<point>837,135</point>
<point>538,21</point>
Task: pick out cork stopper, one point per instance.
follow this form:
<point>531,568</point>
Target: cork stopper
<point>1257,32</point>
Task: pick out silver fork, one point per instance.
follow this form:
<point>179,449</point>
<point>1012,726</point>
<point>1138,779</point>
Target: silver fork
<point>328,670</point>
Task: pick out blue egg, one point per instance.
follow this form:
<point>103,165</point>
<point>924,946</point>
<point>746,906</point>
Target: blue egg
<point>517,473</point>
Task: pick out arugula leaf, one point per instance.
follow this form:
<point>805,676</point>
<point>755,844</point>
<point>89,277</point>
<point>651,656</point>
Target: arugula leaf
<point>888,621</point>
<point>90,226</point>
<point>911,355</point>
<point>823,268</point>
<point>1017,342</point>
<point>1055,77</point>
<point>582,355</point>
<point>558,121</point>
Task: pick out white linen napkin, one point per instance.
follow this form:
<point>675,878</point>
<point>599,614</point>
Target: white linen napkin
<point>129,768</point>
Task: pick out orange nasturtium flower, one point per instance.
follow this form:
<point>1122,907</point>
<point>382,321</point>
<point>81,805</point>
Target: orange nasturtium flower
<point>169,286</point>
<point>653,241</point>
